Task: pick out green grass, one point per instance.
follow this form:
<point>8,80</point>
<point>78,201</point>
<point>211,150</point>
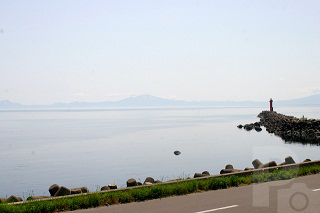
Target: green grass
<point>156,191</point>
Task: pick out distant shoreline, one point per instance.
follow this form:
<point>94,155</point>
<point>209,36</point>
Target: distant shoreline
<point>148,101</point>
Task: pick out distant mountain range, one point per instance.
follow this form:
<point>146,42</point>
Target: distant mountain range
<point>152,101</point>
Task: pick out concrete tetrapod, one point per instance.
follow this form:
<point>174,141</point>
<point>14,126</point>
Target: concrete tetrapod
<point>269,164</point>
<point>13,199</point>
<point>131,182</point>
<point>149,179</point>
<point>53,189</point>
<point>63,191</point>
<point>256,163</point>
<point>103,188</point>
<point>76,191</point>
<point>289,160</point>
<point>112,186</point>
<point>229,166</point>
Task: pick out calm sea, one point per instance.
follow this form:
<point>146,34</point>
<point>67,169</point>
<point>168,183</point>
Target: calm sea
<point>96,147</point>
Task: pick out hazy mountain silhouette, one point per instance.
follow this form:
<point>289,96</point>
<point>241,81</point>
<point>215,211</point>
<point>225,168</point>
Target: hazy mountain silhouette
<point>152,101</point>
<point>309,100</point>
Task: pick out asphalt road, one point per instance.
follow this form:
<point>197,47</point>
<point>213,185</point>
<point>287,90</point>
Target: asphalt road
<point>301,194</point>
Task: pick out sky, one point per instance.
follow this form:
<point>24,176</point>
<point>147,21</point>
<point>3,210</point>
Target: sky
<point>104,50</point>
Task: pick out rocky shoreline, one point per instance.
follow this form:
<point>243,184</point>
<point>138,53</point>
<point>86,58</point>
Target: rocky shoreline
<point>291,129</point>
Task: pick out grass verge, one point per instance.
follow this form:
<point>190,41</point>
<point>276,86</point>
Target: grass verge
<point>156,191</point>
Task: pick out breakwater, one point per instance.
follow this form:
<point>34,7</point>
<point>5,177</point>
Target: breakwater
<point>291,129</point>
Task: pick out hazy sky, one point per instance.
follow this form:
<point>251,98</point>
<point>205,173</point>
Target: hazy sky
<point>76,50</point>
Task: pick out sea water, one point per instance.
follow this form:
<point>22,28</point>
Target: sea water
<point>94,148</point>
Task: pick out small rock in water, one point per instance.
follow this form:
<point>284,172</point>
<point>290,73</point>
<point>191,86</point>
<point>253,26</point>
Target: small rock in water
<point>177,152</point>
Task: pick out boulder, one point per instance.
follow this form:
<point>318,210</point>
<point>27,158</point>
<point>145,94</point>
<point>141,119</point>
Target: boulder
<point>247,168</point>
<point>248,127</point>
<point>256,163</point>
<point>132,182</point>
<point>269,164</point>
<point>104,188</point>
<point>289,160</point>
<point>76,191</point>
<point>307,160</point>
<point>240,126</point>
<point>63,191</point>
<point>53,189</point>
<point>149,179</point>
<point>177,152</point>
<point>205,173</point>
<point>258,128</point>
<point>13,199</point>
<point>112,186</point>
<point>229,166</point>
<point>37,197</point>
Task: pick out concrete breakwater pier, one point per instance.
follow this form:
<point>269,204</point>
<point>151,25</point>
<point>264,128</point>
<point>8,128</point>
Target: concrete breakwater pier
<point>290,128</point>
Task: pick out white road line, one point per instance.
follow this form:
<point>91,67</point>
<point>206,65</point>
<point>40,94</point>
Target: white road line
<point>316,190</point>
<point>217,209</point>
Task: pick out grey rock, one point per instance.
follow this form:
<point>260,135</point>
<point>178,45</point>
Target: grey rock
<point>248,127</point>
<point>177,152</point>
<point>258,124</point>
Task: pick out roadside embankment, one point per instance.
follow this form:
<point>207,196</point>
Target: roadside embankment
<point>177,187</point>
<point>290,128</point>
